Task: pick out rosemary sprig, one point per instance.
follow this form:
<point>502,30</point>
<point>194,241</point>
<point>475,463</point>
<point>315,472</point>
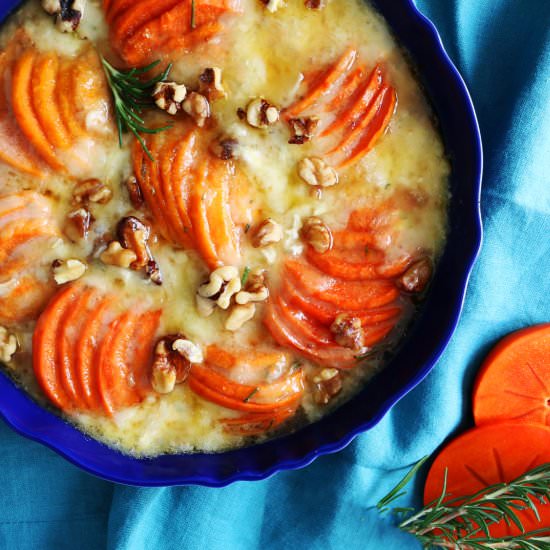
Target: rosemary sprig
<point>463,522</point>
<point>131,95</point>
<point>246,273</point>
<point>193,25</point>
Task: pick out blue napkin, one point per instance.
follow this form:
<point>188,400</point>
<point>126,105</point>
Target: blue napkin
<point>502,48</point>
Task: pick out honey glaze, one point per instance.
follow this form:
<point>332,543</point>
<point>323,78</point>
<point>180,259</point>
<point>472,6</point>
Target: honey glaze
<point>244,270</point>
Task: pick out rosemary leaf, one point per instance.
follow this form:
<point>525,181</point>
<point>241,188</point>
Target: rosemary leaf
<point>131,96</point>
<point>463,523</point>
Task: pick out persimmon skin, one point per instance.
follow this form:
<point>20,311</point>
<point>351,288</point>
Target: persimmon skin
<point>487,455</point>
<point>514,380</point>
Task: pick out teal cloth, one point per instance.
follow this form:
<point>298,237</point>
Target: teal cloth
<point>502,48</point>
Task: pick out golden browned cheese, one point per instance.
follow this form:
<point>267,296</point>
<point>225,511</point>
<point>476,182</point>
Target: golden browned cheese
<point>266,55</point>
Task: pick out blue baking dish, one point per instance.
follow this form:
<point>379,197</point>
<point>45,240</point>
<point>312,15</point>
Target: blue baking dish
<point>422,347</point>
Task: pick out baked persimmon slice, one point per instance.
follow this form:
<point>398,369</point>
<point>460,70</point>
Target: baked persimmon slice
<point>46,337</point>
<point>142,29</point>
<point>325,84</point>
<point>124,358</point>
<point>264,397</point>
<point>491,454</point>
<point>513,383</point>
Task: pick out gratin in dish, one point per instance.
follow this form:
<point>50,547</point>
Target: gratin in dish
<point>246,266</point>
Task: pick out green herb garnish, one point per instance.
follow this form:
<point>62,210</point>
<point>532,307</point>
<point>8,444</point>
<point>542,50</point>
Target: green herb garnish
<point>193,14</point>
<point>462,523</point>
<point>247,228</point>
<point>251,394</point>
<point>131,96</point>
<point>295,366</point>
<point>246,273</point>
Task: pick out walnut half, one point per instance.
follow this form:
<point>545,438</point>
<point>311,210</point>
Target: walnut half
<point>317,234</point>
<point>68,13</point>
<point>348,332</point>
<point>261,114</point>
<point>315,171</point>
<point>172,361</point>
<point>169,96</point>
<point>65,271</point>
<point>8,344</point>
<point>328,383</point>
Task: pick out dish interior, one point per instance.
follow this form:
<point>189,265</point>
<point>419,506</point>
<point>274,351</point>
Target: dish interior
<point>317,187</point>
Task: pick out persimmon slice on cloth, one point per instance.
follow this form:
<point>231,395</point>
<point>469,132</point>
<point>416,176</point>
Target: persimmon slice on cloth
<point>514,380</point>
<point>487,455</point>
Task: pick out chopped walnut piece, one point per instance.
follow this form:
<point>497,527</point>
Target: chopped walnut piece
<point>220,288</point>
<point>172,360</point>
<point>169,96</point>
<point>224,147</point>
<point>315,4</point>
<point>315,171</point>
<point>205,306</point>
<point>189,350</point>
<point>163,375</point>
<point>134,235</point>
<point>78,224</point>
<point>348,331</point>
<point>210,84</point>
<point>417,276</point>
<point>65,271</point>
<point>240,314</point>
<point>92,190</point>
<point>8,345</point>
<point>261,114</point>
<point>197,107</point>
<point>255,289</point>
<point>68,13</point>
<point>328,383</point>
<point>317,234</point>
<point>268,232</point>
<point>152,270</point>
<point>272,5</point>
<point>302,129</point>
<point>116,255</point>
<point>134,192</point>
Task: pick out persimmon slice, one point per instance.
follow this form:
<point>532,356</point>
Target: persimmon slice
<point>492,454</point>
<point>45,338</point>
<point>326,83</point>
<point>513,383</point>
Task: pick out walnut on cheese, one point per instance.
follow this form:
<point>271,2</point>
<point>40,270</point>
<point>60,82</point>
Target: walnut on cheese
<point>210,84</point>
<point>65,271</point>
<point>221,286</point>
<point>197,107</point>
<point>172,360</point>
<point>169,96</point>
<point>315,171</point>
<point>255,289</point>
<point>8,344</point>
<point>317,234</point>
<point>92,190</point>
<point>118,256</point>
<point>68,13</point>
<point>268,232</point>
<point>261,114</point>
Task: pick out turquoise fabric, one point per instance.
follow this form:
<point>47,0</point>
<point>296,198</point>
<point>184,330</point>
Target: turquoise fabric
<point>502,48</point>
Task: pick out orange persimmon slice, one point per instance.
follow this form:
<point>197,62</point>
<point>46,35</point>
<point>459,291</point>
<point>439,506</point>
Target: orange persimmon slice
<point>487,455</point>
<point>326,83</point>
<point>514,381</point>
<point>261,398</point>
<point>24,111</point>
<point>87,357</point>
<point>70,326</point>
<point>44,344</point>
